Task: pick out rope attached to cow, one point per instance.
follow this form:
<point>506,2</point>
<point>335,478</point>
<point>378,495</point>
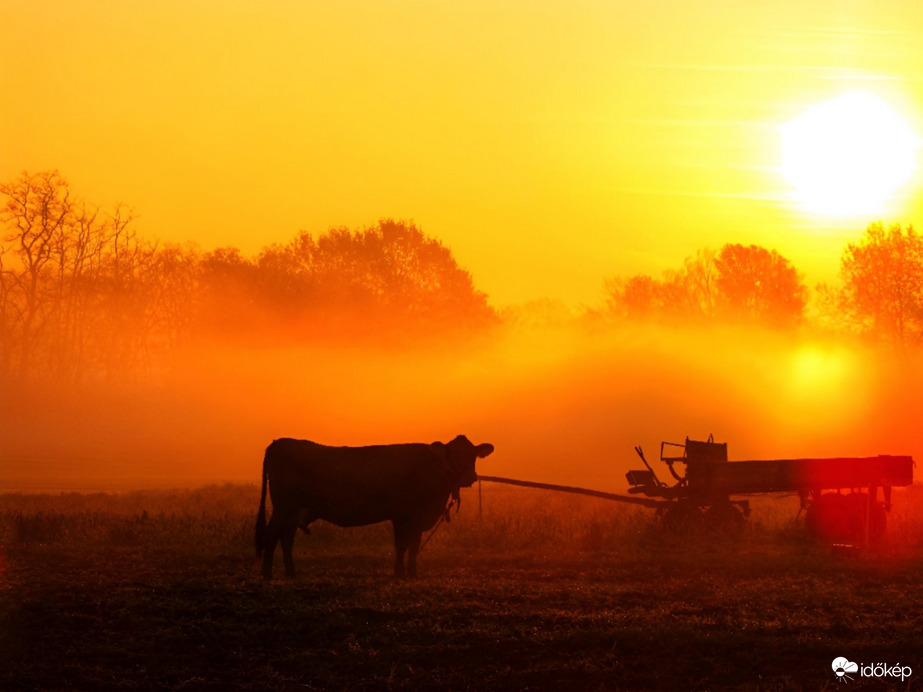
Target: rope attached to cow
<point>455,499</point>
<point>446,515</point>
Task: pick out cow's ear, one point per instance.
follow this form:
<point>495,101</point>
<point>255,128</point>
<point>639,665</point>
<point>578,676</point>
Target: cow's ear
<point>484,450</point>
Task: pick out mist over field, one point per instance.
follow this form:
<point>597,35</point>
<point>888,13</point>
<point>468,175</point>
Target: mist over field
<point>562,403</point>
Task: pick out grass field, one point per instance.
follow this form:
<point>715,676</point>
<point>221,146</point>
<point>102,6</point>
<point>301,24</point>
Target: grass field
<point>161,590</point>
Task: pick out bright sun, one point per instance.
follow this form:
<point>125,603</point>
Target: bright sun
<point>848,155</point>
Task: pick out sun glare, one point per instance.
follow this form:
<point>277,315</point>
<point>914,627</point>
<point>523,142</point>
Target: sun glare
<point>847,156</point>
<point>813,369</point>
<point>824,387</point>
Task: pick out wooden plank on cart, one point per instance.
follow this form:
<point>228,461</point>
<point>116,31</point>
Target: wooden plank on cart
<point>793,475</point>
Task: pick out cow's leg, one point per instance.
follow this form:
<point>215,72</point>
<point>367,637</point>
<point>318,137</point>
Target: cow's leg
<point>269,544</point>
<point>303,519</point>
<point>400,547</point>
<point>287,539</point>
<point>413,544</point>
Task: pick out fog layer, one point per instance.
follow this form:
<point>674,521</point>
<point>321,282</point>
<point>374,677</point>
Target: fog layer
<point>564,404</point>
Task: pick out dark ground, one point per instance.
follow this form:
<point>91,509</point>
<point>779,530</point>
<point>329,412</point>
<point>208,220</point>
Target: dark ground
<point>162,591</point>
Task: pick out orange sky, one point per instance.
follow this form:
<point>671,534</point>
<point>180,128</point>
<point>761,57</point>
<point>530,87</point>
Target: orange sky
<point>548,144</point>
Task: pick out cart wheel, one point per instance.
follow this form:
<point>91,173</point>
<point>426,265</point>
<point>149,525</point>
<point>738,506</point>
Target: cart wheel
<point>829,518</point>
<point>682,517</point>
<point>725,519</point>
<point>839,518</point>
<point>855,504</point>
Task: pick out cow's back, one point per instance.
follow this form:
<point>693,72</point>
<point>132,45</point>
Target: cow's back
<point>353,486</point>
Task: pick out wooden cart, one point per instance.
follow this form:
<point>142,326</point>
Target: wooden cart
<point>840,496</point>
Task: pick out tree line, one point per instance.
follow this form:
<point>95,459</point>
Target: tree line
<point>82,295</point>
<point>880,295</point>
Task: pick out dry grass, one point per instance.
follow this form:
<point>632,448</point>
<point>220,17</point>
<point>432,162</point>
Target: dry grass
<point>160,590</point>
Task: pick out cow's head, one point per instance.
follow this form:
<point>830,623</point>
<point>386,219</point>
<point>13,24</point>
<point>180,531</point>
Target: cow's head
<point>460,456</point>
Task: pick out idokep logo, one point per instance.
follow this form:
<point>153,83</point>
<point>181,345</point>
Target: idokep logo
<point>845,670</point>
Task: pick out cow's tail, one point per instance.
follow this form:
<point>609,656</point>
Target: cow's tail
<point>261,514</point>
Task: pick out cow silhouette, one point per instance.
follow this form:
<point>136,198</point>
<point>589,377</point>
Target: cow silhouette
<point>406,484</point>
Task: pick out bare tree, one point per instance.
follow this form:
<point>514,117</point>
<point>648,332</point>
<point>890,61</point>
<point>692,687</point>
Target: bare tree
<point>72,293</point>
<point>37,213</point>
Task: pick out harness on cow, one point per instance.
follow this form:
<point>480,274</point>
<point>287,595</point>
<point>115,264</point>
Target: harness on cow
<point>446,516</point>
<point>454,499</point>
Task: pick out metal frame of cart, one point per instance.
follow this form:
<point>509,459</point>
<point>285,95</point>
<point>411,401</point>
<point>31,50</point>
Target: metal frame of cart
<point>840,496</point>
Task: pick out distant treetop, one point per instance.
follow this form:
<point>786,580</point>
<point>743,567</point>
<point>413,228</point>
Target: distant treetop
<point>740,283</point>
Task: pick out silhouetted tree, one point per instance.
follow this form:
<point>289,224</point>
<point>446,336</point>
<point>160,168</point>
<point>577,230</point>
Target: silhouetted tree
<point>382,279</point>
<point>37,213</point>
<point>883,282</point>
<point>391,271</point>
<point>286,272</point>
<point>82,295</point>
<point>171,286</point>
<point>828,311</point>
<point>227,293</point>
<point>695,286</point>
<point>638,297</point>
<point>746,283</point>
<point>758,284</point>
